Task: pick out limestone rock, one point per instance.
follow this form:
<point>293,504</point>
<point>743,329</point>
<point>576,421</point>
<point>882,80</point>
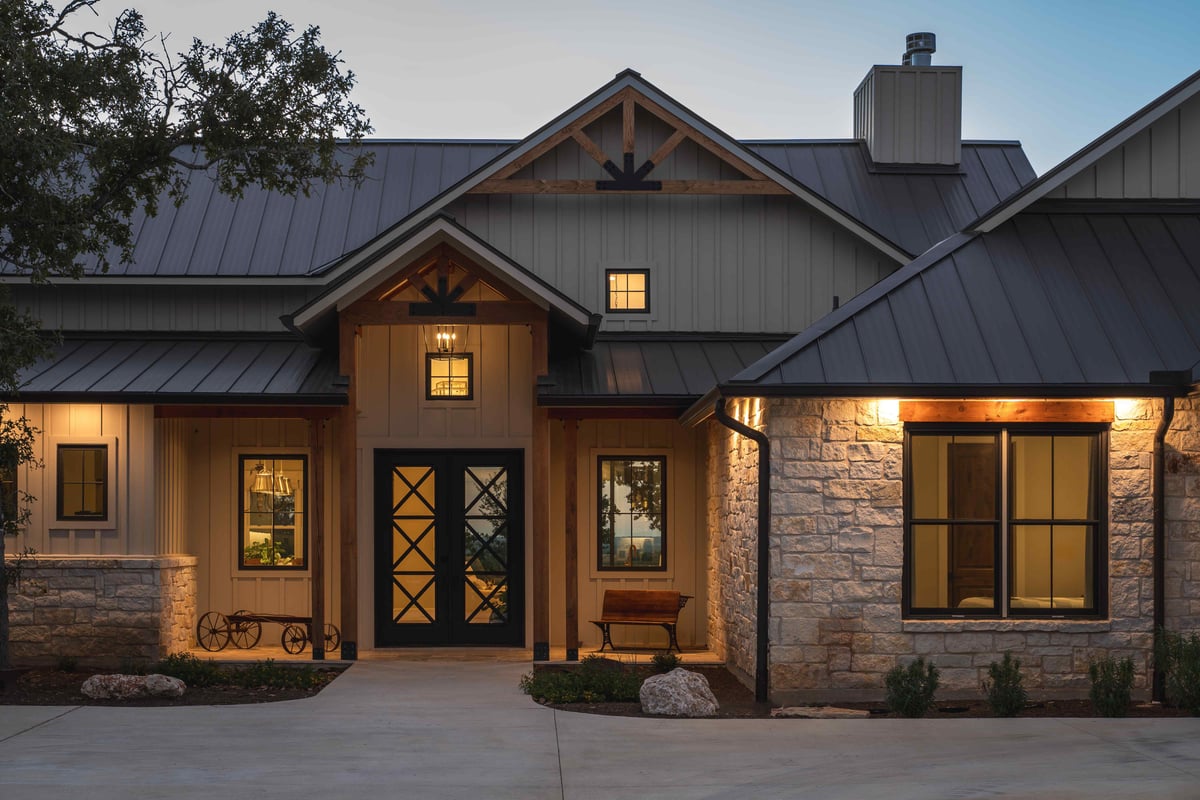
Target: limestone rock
<point>679,693</point>
<point>820,712</point>
<point>126,687</point>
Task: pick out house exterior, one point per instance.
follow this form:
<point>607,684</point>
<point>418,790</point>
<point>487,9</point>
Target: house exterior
<point>860,400</point>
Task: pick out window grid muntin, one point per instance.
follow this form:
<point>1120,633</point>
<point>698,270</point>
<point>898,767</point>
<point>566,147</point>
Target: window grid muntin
<point>618,296</point>
<point>467,358</point>
<point>300,532</point>
<point>663,524</point>
<point>1100,544</point>
<point>100,483</point>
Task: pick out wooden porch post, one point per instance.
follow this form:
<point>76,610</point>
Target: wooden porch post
<point>540,532</point>
<point>348,491</point>
<point>571,545</point>
<point>316,524</point>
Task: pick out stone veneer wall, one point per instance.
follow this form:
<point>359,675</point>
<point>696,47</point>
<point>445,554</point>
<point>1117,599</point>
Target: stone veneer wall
<point>103,610</point>
<point>837,541</point>
<point>1182,490</point>
<point>732,514</point>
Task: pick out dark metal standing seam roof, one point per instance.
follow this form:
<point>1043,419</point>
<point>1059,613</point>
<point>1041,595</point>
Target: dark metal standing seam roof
<point>1062,302</point>
<point>186,370</point>
<point>268,234</point>
<point>623,370</point>
<point>916,209</point>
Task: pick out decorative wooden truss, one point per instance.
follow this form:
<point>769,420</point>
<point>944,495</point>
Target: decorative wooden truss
<point>626,178</point>
<point>443,285</point>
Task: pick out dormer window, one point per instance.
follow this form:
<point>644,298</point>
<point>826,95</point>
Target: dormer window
<point>628,291</point>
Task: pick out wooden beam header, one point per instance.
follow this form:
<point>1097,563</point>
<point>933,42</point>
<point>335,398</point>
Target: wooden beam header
<point>1006,411</point>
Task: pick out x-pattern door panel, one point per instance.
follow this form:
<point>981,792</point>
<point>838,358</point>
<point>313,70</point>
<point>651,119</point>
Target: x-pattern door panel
<point>449,535</point>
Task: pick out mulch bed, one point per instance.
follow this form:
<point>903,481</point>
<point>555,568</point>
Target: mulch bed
<point>50,687</point>
<point>737,702</point>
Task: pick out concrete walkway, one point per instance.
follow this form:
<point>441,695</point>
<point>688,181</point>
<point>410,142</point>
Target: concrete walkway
<point>431,729</point>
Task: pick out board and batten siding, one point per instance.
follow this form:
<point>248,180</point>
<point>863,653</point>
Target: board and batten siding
<point>718,263</point>
<point>207,499</point>
<point>1161,162</point>
<point>124,307</point>
<point>127,429</point>
<point>394,414</point>
<point>687,539</point>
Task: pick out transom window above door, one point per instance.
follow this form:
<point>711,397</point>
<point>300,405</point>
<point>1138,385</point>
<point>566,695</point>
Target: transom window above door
<point>628,290</point>
<point>1005,521</point>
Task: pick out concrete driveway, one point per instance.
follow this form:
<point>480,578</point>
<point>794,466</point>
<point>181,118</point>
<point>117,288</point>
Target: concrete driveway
<point>435,729</point>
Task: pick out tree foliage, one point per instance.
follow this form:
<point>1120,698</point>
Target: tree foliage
<point>96,125</point>
<point>100,119</point>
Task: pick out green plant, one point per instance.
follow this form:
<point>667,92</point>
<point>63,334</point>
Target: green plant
<point>910,689</point>
<point>595,680</point>
<point>1005,694</point>
<point>67,663</point>
<point>132,665</point>
<point>664,662</point>
<point>191,670</point>
<point>1178,658</point>
<point>276,676</point>
<point>1112,686</point>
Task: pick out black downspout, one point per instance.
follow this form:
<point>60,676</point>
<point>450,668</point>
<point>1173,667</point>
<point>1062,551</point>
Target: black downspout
<point>764,544</point>
<point>1160,534</point>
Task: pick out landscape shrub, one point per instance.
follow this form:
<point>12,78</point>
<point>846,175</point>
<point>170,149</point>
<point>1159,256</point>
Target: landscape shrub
<point>67,663</point>
<point>664,662</point>
<point>1112,686</point>
<point>1005,694</point>
<point>268,674</point>
<point>910,689</point>
<point>191,670</point>
<point>595,680</point>
<point>1178,657</point>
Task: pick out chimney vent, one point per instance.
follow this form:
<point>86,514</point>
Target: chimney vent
<point>919,49</point>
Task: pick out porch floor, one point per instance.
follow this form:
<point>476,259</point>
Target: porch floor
<point>558,655</point>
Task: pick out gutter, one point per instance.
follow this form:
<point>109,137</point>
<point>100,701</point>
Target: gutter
<point>764,545</point>
<point>1158,691</point>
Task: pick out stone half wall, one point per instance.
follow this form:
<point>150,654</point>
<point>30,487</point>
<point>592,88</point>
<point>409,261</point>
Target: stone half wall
<point>1182,490</point>
<point>103,611</point>
<point>837,564</point>
<point>732,516</point>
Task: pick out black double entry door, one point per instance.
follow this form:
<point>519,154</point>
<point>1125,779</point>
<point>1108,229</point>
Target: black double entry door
<point>449,535</point>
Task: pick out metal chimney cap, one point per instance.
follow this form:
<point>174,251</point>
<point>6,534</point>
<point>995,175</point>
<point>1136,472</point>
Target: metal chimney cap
<point>919,49</point>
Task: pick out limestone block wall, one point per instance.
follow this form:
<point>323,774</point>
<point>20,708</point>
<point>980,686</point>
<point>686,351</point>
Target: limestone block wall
<point>103,611</point>
<point>837,566</point>
<point>732,518</point>
<point>1182,490</point>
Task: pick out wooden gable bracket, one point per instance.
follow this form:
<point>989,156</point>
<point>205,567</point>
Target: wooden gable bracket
<point>443,301</point>
<point>627,178</point>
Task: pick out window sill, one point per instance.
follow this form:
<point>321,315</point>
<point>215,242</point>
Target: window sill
<point>1063,625</point>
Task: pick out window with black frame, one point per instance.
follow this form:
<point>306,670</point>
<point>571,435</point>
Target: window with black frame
<point>82,482</point>
<point>1004,522</point>
<point>272,510</point>
<point>631,504</point>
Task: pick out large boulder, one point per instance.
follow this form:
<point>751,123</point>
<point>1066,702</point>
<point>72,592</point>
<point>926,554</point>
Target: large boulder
<point>678,693</point>
<point>127,687</point>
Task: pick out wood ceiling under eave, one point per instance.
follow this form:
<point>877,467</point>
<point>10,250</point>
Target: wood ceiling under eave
<point>625,176</point>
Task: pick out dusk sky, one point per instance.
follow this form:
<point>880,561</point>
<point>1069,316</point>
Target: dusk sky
<point>1052,74</point>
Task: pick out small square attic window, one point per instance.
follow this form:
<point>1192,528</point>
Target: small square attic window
<point>628,291</point>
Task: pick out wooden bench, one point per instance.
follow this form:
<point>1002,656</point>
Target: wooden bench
<point>641,607</point>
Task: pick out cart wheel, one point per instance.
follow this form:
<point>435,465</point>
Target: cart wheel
<point>333,638</point>
<point>245,633</point>
<point>294,639</point>
<point>212,631</point>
